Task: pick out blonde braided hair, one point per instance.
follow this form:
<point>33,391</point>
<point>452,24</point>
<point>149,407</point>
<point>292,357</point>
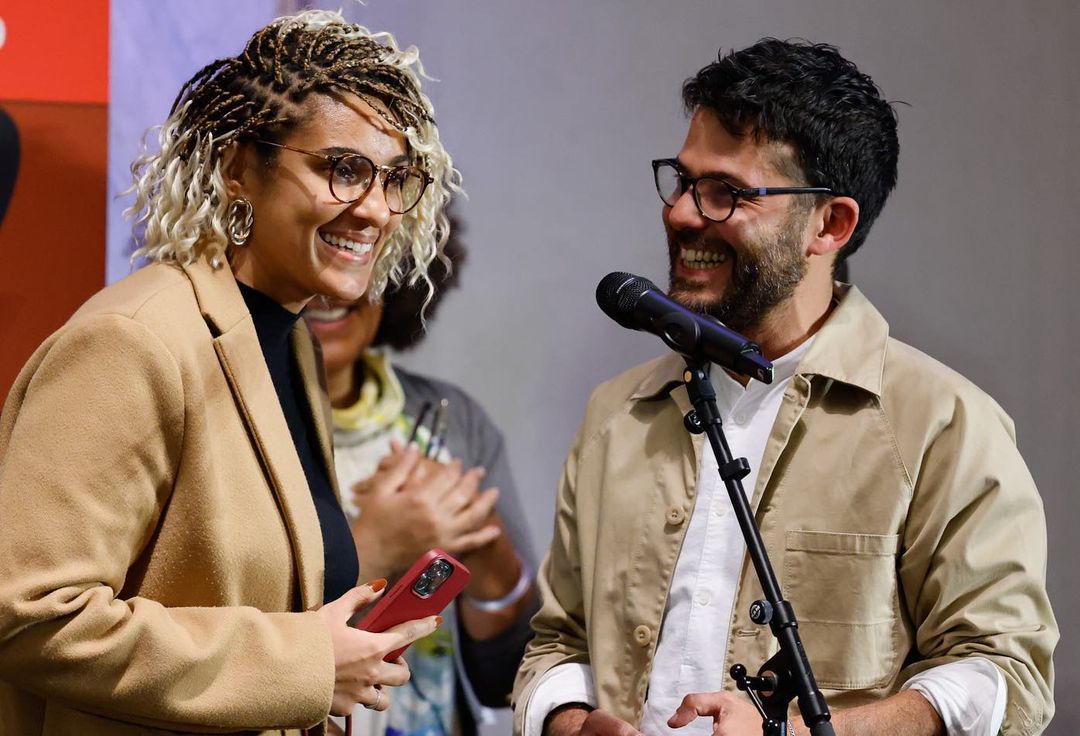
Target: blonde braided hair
<point>180,197</point>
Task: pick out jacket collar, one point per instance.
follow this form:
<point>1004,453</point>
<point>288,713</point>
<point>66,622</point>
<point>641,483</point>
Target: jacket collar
<point>237,346</point>
<point>219,297</point>
<point>850,348</point>
<point>851,345</point>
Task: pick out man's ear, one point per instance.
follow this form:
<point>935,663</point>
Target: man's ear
<point>235,169</point>
<point>834,221</point>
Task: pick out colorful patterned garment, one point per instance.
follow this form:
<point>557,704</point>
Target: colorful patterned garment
<point>425,706</point>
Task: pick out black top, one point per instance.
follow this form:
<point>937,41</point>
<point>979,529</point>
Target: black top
<point>273,323</point>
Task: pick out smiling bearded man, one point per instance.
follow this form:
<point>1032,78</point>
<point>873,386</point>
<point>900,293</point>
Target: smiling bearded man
<point>889,489</point>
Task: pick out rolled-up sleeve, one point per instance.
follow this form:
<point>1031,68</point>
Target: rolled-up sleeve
<point>973,567</point>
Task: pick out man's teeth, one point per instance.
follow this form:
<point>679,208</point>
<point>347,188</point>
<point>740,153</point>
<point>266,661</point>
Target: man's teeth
<point>693,258</point>
<point>346,244</point>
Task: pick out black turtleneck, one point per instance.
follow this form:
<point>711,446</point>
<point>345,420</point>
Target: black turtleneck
<point>273,323</point>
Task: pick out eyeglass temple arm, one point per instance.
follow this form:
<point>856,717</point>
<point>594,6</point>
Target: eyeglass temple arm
<point>765,191</point>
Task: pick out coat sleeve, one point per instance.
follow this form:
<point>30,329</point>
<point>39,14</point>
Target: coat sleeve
<point>973,566</point>
<point>559,626</point>
<point>91,443</point>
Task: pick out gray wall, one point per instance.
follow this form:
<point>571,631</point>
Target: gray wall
<point>554,109</point>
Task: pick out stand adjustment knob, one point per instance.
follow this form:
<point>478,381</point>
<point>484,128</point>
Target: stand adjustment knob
<point>761,612</point>
<point>692,422</point>
<point>763,684</point>
<point>737,469</point>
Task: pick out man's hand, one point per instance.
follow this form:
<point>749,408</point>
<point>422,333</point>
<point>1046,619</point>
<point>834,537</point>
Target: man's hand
<point>412,504</point>
<point>577,720</point>
<point>906,713</point>
<point>733,715</point>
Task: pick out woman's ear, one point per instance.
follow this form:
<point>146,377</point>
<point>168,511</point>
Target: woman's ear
<point>235,169</point>
<point>835,223</point>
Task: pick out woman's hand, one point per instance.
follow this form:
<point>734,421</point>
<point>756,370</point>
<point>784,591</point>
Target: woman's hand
<point>412,504</point>
<point>359,670</point>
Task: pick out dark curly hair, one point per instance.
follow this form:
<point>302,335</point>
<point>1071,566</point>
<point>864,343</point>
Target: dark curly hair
<point>405,315</point>
<point>808,95</point>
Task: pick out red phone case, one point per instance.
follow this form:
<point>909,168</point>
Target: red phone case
<point>404,603</point>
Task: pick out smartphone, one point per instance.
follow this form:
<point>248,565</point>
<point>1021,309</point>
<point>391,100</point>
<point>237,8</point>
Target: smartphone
<point>426,589</point>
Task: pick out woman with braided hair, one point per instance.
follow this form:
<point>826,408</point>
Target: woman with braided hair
<point>175,557</point>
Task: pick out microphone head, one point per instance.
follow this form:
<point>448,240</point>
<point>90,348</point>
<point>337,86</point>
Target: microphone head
<point>617,294</point>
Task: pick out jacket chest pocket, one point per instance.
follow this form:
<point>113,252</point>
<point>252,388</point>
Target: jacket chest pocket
<point>844,590</point>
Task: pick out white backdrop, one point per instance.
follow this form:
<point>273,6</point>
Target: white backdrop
<point>553,110</point>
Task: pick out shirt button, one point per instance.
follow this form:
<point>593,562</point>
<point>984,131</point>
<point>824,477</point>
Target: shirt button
<point>720,509</point>
<point>703,598</point>
<point>675,515</point>
<point>643,635</point>
<point>740,419</point>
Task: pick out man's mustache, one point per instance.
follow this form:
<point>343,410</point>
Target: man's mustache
<point>695,240</point>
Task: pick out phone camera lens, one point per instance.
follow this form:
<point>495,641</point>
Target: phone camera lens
<point>432,578</point>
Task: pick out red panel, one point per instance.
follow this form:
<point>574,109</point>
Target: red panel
<point>55,50</point>
<point>53,234</point>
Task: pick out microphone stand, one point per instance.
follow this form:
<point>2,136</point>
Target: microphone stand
<point>787,674</point>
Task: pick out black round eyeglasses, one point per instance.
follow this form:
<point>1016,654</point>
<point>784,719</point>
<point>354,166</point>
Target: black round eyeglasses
<point>715,198</point>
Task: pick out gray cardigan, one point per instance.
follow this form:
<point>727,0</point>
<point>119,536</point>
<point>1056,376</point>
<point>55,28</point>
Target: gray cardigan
<point>489,665</point>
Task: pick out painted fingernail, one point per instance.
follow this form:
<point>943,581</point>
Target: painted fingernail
<point>377,585</point>
<point>438,621</point>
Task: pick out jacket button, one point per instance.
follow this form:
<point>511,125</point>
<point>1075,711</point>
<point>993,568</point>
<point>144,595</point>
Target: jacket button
<point>642,635</point>
<point>675,515</point>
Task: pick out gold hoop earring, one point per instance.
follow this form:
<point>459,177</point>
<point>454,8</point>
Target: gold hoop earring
<point>239,219</point>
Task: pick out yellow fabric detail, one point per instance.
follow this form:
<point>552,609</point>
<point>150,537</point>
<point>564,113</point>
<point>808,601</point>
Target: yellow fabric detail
<point>382,400</point>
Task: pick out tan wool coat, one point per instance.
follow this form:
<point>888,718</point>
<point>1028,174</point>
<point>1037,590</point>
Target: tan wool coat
<point>160,553</point>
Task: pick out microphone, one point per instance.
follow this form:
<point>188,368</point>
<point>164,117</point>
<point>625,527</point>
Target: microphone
<point>637,304</point>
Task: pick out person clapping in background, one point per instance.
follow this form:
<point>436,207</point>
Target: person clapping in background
<point>453,491</point>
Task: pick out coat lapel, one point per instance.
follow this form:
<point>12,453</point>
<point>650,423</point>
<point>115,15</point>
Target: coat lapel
<point>242,362</point>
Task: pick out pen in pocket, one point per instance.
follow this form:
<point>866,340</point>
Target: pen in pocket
<point>438,430</point>
<point>421,415</point>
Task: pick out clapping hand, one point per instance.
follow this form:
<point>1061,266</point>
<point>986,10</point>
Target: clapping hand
<point>412,504</point>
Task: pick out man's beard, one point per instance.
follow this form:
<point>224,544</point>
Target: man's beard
<point>762,276</point>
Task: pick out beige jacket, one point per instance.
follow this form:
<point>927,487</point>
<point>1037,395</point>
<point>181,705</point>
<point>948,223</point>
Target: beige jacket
<point>157,525</point>
<point>895,507</point>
